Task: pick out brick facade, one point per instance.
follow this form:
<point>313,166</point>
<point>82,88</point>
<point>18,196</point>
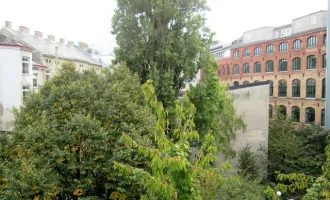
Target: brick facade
<point>319,73</point>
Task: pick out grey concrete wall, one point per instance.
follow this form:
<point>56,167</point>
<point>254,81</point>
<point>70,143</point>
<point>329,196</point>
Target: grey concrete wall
<point>309,22</point>
<point>253,103</point>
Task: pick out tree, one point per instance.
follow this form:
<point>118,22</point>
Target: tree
<point>173,175</point>
<point>162,40</point>
<point>66,137</point>
<point>215,110</point>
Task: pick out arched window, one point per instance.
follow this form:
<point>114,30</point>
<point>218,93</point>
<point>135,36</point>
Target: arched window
<point>245,82</point>
<point>236,54</point>
<point>311,62</point>
<point>236,69</point>
<point>312,41</point>
<point>310,115</point>
<point>297,44</point>
<point>257,51</point>
<point>223,71</point>
<point>282,88</point>
<point>271,88</point>
<point>246,68</point>
<point>236,83</point>
<point>270,49</point>
<point>296,88</point>
<point>270,111</point>
<point>296,64</point>
<point>257,67</point>
<point>325,39</point>
<point>296,114</point>
<point>282,110</point>
<point>246,52</point>
<point>323,117</point>
<point>283,47</point>
<point>324,64</point>
<point>228,70</point>
<point>283,65</point>
<point>323,87</point>
<point>269,66</point>
<point>310,88</point>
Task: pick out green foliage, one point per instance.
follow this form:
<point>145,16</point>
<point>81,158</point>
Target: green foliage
<point>66,137</point>
<point>248,163</point>
<point>294,148</point>
<point>162,40</point>
<point>173,175</point>
<point>215,110</point>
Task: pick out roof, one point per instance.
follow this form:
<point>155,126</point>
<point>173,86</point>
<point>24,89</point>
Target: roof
<point>220,46</point>
<point>284,26</point>
<point>8,41</point>
<point>249,85</point>
<point>309,14</point>
<point>48,47</point>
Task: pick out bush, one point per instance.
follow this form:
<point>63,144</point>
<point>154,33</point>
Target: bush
<point>248,164</point>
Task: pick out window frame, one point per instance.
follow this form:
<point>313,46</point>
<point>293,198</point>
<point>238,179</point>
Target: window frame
<point>295,113</point>
<point>283,65</point>
<point>282,88</point>
<point>236,69</point>
<point>296,62</point>
<point>257,65</point>
<point>312,41</point>
<point>297,43</point>
<point>268,48</point>
<point>310,88</point>
<point>35,82</point>
<point>236,55</point>
<point>307,115</point>
<point>271,66</point>
<point>246,68</point>
<point>296,88</point>
<point>246,53</point>
<point>283,47</point>
<point>257,51</point>
<point>324,61</point>
<point>228,69</point>
<point>25,65</point>
<point>311,62</point>
<point>271,88</point>
<point>25,90</point>
<point>324,86</point>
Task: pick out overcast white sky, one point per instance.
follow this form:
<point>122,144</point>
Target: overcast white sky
<point>90,21</point>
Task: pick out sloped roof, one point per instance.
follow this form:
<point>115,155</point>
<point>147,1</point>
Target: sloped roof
<point>48,47</point>
<point>8,41</point>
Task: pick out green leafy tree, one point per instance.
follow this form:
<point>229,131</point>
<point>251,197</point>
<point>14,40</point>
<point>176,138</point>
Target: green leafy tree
<point>215,112</point>
<point>248,164</point>
<point>162,40</point>
<point>173,175</point>
<point>66,137</point>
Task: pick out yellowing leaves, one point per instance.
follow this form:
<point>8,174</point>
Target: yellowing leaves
<point>78,192</point>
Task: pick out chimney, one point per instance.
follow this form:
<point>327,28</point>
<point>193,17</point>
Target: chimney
<point>83,46</point>
<point>7,24</point>
<point>70,43</point>
<point>51,38</point>
<point>38,34</point>
<point>24,29</point>
<point>62,40</point>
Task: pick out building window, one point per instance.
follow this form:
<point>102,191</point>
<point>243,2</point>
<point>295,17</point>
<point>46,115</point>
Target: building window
<point>283,46</point>
<point>296,88</point>
<point>35,80</point>
<point>310,88</point>
<point>270,111</point>
<point>228,70</point>
<point>296,114</point>
<point>271,88</point>
<point>282,110</point>
<point>81,65</point>
<point>282,88</point>
<point>246,52</point>
<point>323,117</point>
<point>323,87</point>
<point>26,89</point>
<point>269,66</point>
<point>218,72</point>
<point>283,65</point>
<point>25,65</point>
<point>297,44</point>
<point>223,71</point>
<point>257,67</point>
<point>310,115</point>
<point>245,82</point>
<point>236,83</point>
<point>236,54</point>
<point>270,49</point>
<point>246,68</point>
<point>324,64</point>
<point>296,64</point>
<point>325,39</point>
<point>257,51</point>
<point>236,69</point>
<point>312,41</point>
<point>47,75</point>
<point>311,62</point>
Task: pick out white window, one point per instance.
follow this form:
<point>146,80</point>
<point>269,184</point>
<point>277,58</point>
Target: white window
<point>35,80</point>
<point>26,89</point>
<point>81,65</point>
<point>25,65</point>
<point>47,75</point>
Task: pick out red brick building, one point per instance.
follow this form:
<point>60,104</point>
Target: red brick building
<point>291,57</point>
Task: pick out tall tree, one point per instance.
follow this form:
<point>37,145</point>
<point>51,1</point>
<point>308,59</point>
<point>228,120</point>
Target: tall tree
<point>162,40</point>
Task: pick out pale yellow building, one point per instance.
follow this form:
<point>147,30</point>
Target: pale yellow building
<point>48,54</point>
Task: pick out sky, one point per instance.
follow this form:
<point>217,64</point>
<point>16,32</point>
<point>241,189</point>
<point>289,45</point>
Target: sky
<point>90,21</point>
